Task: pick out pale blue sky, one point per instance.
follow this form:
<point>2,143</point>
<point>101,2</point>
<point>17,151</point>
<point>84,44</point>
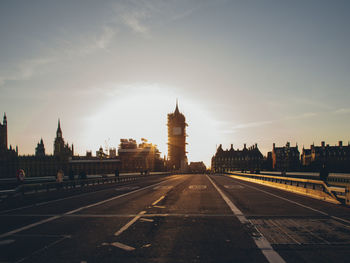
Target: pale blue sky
<point>244,72</point>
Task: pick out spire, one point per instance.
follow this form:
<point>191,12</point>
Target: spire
<point>5,119</point>
<point>59,131</point>
<point>177,108</point>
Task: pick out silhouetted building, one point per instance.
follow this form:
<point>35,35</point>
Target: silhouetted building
<point>90,165</point>
<point>60,148</point>
<point>247,159</point>
<point>177,159</point>
<point>335,158</point>
<point>8,156</point>
<point>285,158</point>
<point>197,167</point>
<point>142,157</point>
<point>40,149</point>
<point>112,153</point>
<point>3,134</point>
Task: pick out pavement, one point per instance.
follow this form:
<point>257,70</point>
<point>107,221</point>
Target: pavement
<point>178,218</point>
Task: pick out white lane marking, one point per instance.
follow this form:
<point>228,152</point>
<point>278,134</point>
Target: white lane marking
<point>29,226</point>
<point>147,245</point>
<point>159,206</point>
<point>197,187</point>
<point>6,242</point>
<point>158,200</point>
<point>132,221</point>
<point>74,211</point>
<point>122,246</point>
<point>233,186</point>
<point>261,242</point>
<point>146,219</point>
<point>341,219</point>
<point>165,187</point>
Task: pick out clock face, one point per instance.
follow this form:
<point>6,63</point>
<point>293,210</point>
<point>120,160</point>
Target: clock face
<point>177,131</point>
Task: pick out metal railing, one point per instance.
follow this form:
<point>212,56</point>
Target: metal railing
<point>319,189</point>
<point>72,184</point>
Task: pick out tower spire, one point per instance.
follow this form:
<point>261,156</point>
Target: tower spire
<point>177,107</point>
<point>59,131</point>
<point>5,119</point>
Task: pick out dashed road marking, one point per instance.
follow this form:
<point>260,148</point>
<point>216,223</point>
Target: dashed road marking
<point>198,187</point>
<point>158,200</point>
<point>132,221</point>
<point>146,219</point>
<point>159,206</point>
<point>122,246</point>
<point>74,211</point>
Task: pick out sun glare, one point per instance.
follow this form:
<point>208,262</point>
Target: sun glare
<point>142,113</point>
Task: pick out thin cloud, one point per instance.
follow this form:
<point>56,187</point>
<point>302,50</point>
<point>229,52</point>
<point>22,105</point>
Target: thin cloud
<point>251,124</point>
<point>305,115</point>
<point>267,122</point>
<point>342,111</point>
<point>26,69</point>
<point>133,20</point>
<point>105,38</point>
<point>29,68</point>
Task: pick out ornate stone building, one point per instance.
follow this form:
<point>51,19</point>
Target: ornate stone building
<point>177,159</point>
<point>60,148</point>
<point>247,159</point>
<point>334,158</point>
<point>286,158</point>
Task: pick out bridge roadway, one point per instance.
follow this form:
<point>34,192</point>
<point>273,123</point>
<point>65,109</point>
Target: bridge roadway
<point>179,218</point>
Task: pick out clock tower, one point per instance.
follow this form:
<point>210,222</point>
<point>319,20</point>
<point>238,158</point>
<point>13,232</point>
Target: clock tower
<point>177,140</point>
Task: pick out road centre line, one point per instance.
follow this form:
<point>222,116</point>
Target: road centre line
<point>261,242</point>
<point>76,210</point>
<point>158,200</point>
<point>132,221</point>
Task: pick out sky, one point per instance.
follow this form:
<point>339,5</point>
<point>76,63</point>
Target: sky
<point>249,72</point>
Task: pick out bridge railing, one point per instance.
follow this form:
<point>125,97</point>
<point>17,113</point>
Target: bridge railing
<point>339,193</point>
<point>72,184</point>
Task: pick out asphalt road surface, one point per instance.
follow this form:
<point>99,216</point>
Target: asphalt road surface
<point>179,218</point>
